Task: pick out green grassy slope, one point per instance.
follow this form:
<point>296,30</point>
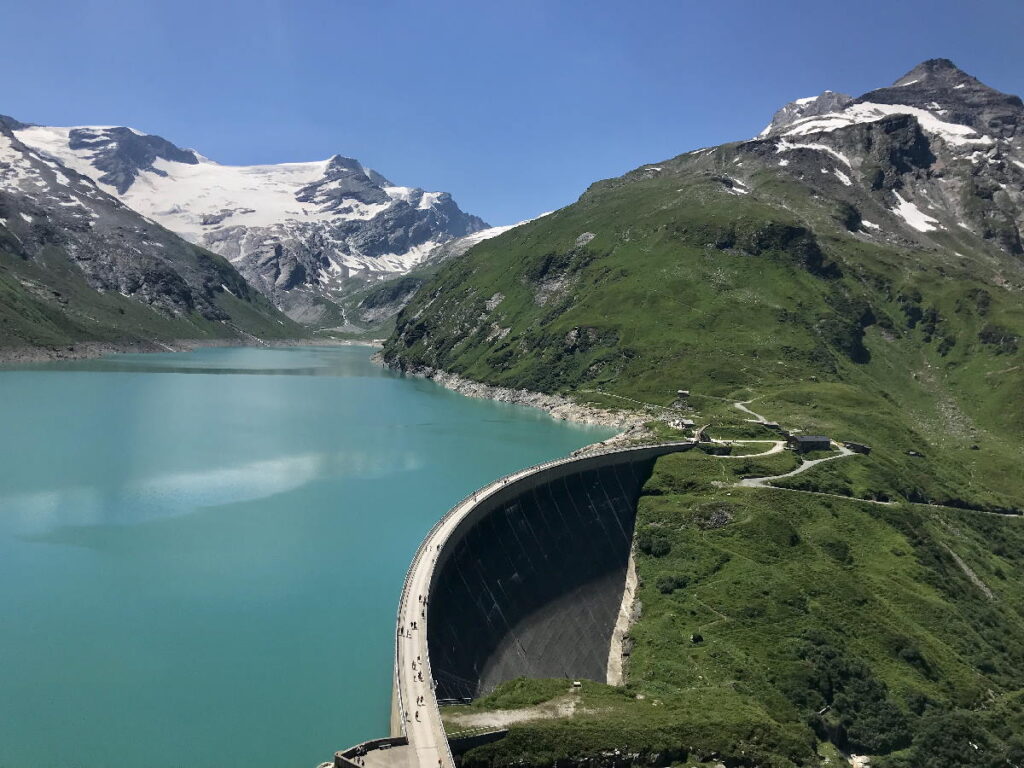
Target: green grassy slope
<point>828,622</point>
<point>822,622</point>
<point>669,281</point>
<point>45,302</point>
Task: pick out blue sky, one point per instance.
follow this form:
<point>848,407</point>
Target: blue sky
<point>514,107</point>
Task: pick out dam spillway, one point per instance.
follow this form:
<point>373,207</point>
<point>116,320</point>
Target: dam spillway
<point>530,584</point>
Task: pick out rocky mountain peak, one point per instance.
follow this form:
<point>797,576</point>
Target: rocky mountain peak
<point>810,106</point>
<point>343,179</point>
<point>935,70</point>
<point>945,90</point>
<point>122,153</point>
<point>11,124</point>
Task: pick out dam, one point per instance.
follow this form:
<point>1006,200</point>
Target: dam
<point>523,578</point>
<point>530,584</point>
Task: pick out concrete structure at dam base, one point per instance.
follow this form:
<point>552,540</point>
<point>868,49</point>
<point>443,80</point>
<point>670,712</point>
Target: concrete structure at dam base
<point>523,578</point>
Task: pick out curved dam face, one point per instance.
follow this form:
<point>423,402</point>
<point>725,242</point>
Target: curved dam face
<point>531,583</point>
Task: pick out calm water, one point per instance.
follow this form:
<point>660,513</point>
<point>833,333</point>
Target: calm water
<point>201,554</point>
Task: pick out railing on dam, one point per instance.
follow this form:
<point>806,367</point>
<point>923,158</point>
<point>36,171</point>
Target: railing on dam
<point>427,743</point>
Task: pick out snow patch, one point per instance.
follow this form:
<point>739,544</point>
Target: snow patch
<point>914,216</point>
<point>842,177</point>
<point>785,146</point>
<point>869,224</point>
<point>951,133</point>
<point>205,201</point>
<point>27,218</point>
<point>737,188</point>
<point>255,195</point>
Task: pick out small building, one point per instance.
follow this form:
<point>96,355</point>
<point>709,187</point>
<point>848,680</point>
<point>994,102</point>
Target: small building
<point>772,425</point>
<point>806,443</point>
<point>682,393</point>
<point>858,447</point>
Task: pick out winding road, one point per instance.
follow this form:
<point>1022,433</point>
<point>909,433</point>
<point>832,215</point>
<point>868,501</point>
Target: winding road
<point>762,482</point>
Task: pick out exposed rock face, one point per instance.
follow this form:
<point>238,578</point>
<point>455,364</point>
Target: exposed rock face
<point>939,86</point>
<point>50,210</point>
<point>304,234</point>
<point>938,150</point>
<point>121,154</point>
<point>828,101</point>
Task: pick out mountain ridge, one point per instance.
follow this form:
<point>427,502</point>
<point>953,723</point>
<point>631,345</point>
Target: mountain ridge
<point>299,232</point>
<point>78,265</point>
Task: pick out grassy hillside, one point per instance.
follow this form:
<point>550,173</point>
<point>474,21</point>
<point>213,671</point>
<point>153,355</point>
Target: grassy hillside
<point>45,302</point>
<point>880,614</point>
<point>672,281</point>
<point>820,623</point>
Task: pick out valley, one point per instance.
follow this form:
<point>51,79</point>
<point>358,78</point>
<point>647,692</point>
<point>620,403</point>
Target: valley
<point>802,546</point>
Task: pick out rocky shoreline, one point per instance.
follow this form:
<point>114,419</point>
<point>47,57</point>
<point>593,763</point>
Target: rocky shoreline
<point>557,406</point>
<point>92,349</point>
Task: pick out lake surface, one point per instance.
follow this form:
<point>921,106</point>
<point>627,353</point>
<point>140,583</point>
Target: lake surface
<point>201,553</point>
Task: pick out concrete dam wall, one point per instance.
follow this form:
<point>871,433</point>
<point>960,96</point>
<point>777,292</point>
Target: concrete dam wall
<point>531,581</point>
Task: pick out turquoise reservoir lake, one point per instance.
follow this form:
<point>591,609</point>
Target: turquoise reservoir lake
<point>201,553</point>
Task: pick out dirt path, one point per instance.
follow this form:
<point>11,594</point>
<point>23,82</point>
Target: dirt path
<point>743,407</point>
<point>563,706</point>
<point>761,482</point>
<point>778,446</point>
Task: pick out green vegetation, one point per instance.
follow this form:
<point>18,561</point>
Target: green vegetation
<point>46,302</point>
<point>655,282</point>
<point>884,617</point>
<point>820,623</point>
<point>519,694</point>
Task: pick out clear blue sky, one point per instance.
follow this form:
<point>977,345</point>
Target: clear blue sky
<point>514,107</point>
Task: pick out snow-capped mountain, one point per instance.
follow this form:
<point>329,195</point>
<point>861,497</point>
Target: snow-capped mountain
<point>938,153</point>
<point>297,231</point>
<point>72,254</point>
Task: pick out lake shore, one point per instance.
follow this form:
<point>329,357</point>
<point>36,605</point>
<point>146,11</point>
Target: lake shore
<point>557,406</point>
<point>86,350</point>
